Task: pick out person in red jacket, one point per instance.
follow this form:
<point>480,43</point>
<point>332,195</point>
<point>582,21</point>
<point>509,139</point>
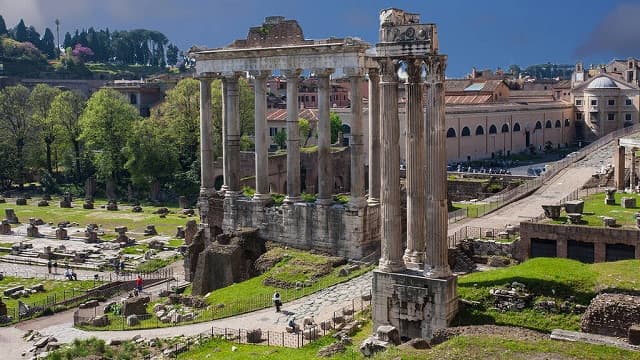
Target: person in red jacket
<point>139,284</point>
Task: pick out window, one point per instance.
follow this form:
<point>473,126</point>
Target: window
<point>627,117</point>
<point>479,130</point>
<point>451,133</point>
<point>579,116</point>
<point>628,102</point>
<point>516,127</point>
<point>493,129</point>
<point>611,116</point>
<point>594,102</point>
<point>465,131</point>
<point>313,98</point>
<point>505,128</point>
<point>567,123</point>
<point>273,131</point>
<point>538,125</point>
<point>611,102</point>
<point>547,125</point>
<point>558,124</point>
<point>578,102</point>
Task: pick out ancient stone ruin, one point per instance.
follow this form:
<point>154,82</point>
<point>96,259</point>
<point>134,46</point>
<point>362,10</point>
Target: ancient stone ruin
<point>10,215</point>
<point>5,227</point>
<point>611,314</point>
<point>66,201</point>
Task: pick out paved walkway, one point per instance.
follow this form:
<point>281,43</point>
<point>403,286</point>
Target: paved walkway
<point>320,305</point>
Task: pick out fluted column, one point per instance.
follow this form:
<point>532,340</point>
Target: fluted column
<point>325,169</point>
<point>391,221</point>
<point>374,136</point>
<point>207,179</point>
<point>356,144</point>
<point>293,137</point>
<point>415,145</point>
<point>436,264</point>
<point>632,176</point>
<point>231,114</point>
<point>261,144</point>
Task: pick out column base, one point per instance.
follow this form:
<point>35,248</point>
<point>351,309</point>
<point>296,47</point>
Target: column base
<point>373,201</point>
<point>414,260</point>
<point>390,266</point>
<point>261,197</point>
<point>291,199</point>
<point>437,272</point>
<point>207,191</point>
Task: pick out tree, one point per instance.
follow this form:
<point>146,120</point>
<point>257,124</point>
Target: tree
<point>16,121</point>
<point>151,160</point>
<point>67,108</point>
<point>336,126</point>
<point>280,139</point>
<point>172,54</point>
<point>305,130</point>
<point>106,125</point>
<point>3,26</point>
<point>246,143</point>
<point>47,45</point>
<point>20,32</point>
<point>180,111</point>
<point>40,102</point>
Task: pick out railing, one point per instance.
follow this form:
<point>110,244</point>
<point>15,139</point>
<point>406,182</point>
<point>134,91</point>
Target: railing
<point>474,232</point>
<point>74,297</point>
<point>82,317</point>
<point>495,202</point>
<point>305,336</point>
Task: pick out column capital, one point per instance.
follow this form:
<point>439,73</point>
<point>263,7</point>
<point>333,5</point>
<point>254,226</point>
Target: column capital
<point>373,73</point>
<point>414,70</point>
<point>388,70</point>
<point>260,74</point>
<point>292,73</point>
<point>436,66</point>
<point>323,72</point>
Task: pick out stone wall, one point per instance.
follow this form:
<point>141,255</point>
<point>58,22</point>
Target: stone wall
<point>611,314</point>
<point>490,247</point>
<point>459,190</point>
<point>600,237</point>
<point>336,229</point>
<point>415,305</point>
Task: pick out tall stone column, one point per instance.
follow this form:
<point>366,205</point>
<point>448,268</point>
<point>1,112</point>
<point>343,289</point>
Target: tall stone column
<point>436,264</point>
<point>293,137</point>
<point>325,169</point>
<point>261,144</point>
<point>374,136</point>
<point>416,149</point>
<point>619,167</point>
<point>391,221</point>
<point>231,119</point>
<point>356,144</point>
<point>207,179</point>
<point>632,175</point>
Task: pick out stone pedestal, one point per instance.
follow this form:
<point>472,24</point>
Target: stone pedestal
<point>32,231</point>
<point>415,305</point>
<point>574,206</point>
<point>610,199</point>
<point>11,216</point>
<point>552,211</point>
<point>5,227</point>
<point>61,234</point>
<point>628,203</point>
<point>21,201</point>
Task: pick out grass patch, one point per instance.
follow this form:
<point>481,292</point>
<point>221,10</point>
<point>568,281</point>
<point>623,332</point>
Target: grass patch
<point>138,249</point>
<point>93,347</point>
<point>135,222</point>
<point>545,278</point>
<point>594,207</point>
<point>155,264</point>
<point>494,347</point>
<point>175,242</point>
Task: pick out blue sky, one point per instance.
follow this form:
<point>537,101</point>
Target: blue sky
<point>485,34</point>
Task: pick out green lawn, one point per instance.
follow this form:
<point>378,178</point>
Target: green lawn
<point>594,207</point>
<point>548,279</point>
<point>135,222</point>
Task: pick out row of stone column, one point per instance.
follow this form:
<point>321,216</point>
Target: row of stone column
<point>426,176</point>
<point>231,137</point>
<point>620,167</point>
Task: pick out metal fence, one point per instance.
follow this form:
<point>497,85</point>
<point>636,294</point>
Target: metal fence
<point>101,276</point>
<point>83,317</point>
<point>499,200</point>
<point>305,336</point>
<point>475,232</point>
<point>74,297</point>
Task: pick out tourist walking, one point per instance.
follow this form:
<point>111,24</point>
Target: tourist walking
<point>49,265</point>
<point>276,301</point>
<point>139,284</point>
<point>55,267</point>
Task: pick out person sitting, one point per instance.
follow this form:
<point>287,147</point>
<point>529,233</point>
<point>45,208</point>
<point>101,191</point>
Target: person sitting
<point>292,327</point>
<point>67,274</point>
<point>74,275</point>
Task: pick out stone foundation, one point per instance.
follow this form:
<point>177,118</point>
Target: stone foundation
<point>415,305</point>
<point>335,229</point>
